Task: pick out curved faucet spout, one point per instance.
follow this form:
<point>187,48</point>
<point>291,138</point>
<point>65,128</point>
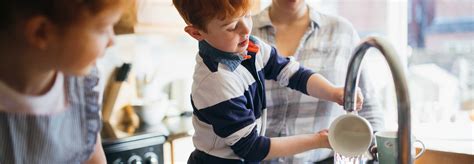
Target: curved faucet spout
<point>401,88</point>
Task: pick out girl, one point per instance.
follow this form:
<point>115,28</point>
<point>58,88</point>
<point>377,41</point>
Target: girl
<point>49,109</point>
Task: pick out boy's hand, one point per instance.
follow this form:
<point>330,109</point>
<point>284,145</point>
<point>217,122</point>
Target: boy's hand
<point>339,97</point>
<point>323,140</point>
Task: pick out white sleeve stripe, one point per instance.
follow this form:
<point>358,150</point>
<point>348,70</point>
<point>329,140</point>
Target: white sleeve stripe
<point>289,70</point>
<point>235,137</point>
<point>220,88</point>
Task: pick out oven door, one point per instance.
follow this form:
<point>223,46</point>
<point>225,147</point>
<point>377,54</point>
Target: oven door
<point>138,149</point>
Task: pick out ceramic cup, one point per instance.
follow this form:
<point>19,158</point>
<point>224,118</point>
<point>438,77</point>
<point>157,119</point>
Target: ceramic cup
<point>153,112</point>
<point>350,135</point>
<point>387,147</point>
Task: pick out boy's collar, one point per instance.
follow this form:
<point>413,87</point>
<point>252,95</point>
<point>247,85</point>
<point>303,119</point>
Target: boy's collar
<point>231,60</point>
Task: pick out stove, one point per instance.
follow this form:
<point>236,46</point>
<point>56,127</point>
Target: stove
<point>145,146</point>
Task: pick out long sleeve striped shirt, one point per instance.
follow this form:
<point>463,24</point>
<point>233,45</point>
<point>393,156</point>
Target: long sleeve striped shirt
<point>228,99</point>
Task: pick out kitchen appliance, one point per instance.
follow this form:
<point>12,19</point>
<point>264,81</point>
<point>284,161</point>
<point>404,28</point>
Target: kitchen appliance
<point>146,148</point>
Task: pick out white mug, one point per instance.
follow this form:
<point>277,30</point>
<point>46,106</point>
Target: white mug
<point>350,135</point>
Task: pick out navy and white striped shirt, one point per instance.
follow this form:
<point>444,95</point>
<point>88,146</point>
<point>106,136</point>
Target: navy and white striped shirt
<point>228,99</point>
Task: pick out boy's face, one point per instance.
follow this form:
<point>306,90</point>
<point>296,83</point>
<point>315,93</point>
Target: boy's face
<point>82,43</point>
<point>229,35</point>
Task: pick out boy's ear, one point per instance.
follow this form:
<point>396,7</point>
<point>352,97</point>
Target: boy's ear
<point>39,31</point>
<point>194,32</point>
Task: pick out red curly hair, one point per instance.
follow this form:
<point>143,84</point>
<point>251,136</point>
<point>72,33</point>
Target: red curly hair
<point>61,12</point>
<point>199,12</point>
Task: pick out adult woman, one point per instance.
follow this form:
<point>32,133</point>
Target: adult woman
<point>323,43</point>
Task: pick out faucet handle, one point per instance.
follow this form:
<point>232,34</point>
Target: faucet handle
<point>373,152</point>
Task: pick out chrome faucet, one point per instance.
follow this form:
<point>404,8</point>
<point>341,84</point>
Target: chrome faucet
<point>403,101</point>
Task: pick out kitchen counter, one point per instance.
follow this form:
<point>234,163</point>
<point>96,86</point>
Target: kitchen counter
<point>452,138</point>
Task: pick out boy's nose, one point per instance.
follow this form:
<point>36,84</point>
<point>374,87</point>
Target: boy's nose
<point>246,25</point>
<point>245,29</point>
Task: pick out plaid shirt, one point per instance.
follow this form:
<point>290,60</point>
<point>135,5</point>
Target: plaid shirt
<point>326,47</point>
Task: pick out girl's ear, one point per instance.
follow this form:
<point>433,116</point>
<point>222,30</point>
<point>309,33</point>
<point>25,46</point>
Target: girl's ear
<point>194,32</point>
<point>39,31</point>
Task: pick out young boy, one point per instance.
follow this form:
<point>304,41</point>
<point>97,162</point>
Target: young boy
<point>228,92</point>
<point>49,109</point>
